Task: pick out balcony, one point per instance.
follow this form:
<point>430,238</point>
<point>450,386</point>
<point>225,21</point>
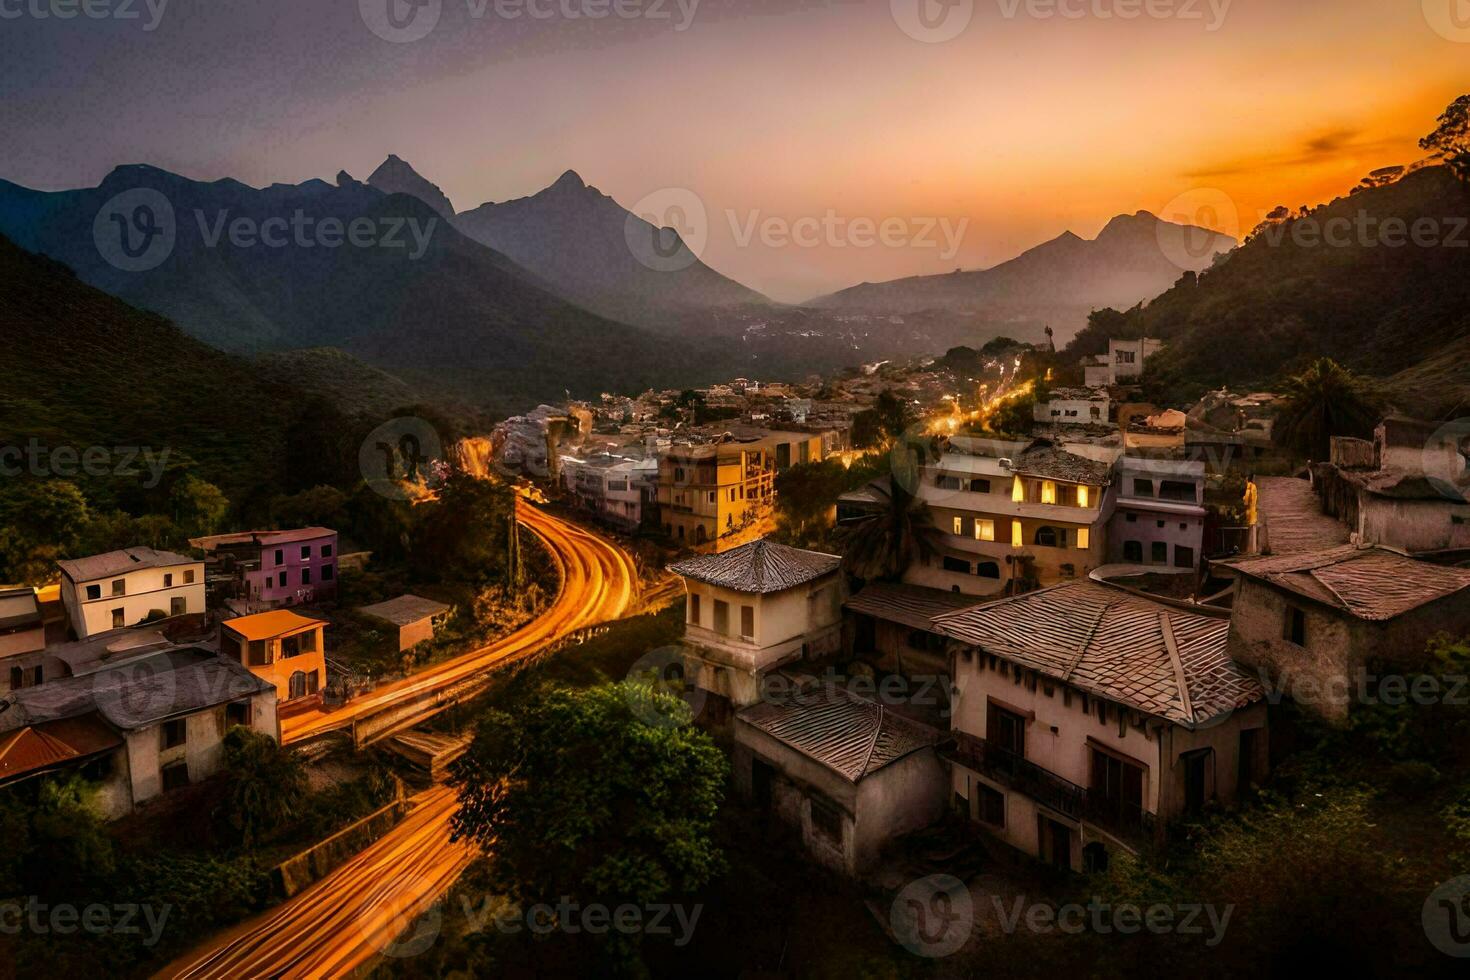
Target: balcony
<point>1121,817</point>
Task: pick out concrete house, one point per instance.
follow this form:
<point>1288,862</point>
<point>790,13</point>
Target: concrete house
<point>848,774</point>
<point>1013,515</point>
<point>1320,625</point>
<point>282,648</point>
<point>22,638</point>
<point>1160,513</point>
<point>136,720</point>
<point>125,588</point>
<point>412,617</point>
<point>752,610</point>
<point>1086,717</point>
<point>716,497</point>
<point>1074,406</point>
<point>268,569</point>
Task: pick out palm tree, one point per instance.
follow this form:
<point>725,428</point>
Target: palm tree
<point>880,547</point>
<point>1323,401</point>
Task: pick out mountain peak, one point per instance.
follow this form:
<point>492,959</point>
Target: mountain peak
<point>1139,220</point>
<point>571,180</point>
<point>396,176</point>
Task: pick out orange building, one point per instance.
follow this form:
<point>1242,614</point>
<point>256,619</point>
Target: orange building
<point>282,647</point>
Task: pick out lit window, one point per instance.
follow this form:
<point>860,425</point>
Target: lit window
<point>1018,491</point>
<point>1048,492</point>
<point>1084,538</point>
<point>959,525</point>
<point>1017,540</point>
<point>984,530</point>
<point>1083,494</point>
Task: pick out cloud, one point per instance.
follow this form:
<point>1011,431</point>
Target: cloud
<point>1321,147</point>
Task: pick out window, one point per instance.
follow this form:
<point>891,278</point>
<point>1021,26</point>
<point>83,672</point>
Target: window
<point>119,587</point>
<point>956,565</point>
<point>747,622</point>
<point>1295,628</point>
<point>990,805</point>
<point>1126,356</point>
<point>1143,488</point>
<point>1006,729</point>
<point>1018,491</point>
<point>979,486</point>
<point>306,551</point>
<point>237,713</point>
<point>712,496</point>
<point>94,592</point>
<point>1176,490</point>
<point>1183,557</point>
<point>959,525</point>
<point>17,678</point>
<point>1018,539</point>
<point>1048,492</point>
<point>175,733</point>
<point>178,606</point>
<point>1084,538</point>
<point>826,819</point>
<point>1132,518</point>
<point>987,569</point>
<point>1159,553</point>
<point>1116,791</point>
<point>327,573</point>
<point>188,576</point>
<point>119,619</point>
<point>168,580</point>
<point>1246,760</point>
<point>280,557</point>
<point>306,576</point>
<point>722,617</point>
<point>1051,537</point>
<point>1133,551</point>
<point>984,530</point>
<point>296,686</point>
<point>327,549</point>
<point>694,608</point>
<point>175,776</point>
<point>947,482</point>
<point>1084,494</point>
<point>259,654</point>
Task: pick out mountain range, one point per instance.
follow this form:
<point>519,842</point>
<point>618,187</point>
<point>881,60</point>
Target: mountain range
<point>1134,258</point>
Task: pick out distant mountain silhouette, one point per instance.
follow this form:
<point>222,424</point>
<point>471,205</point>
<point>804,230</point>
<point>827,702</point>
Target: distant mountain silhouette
<point>1377,303</point>
<point>1134,258</point>
<point>409,294</point>
<point>583,242</point>
<point>394,176</point>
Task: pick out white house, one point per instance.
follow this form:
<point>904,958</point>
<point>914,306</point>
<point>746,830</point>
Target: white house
<point>754,609</point>
<point>1122,363</point>
<point>1074,406</point>
<point>1086,717</point>
<point>127,587</point>
<point>22,638</point>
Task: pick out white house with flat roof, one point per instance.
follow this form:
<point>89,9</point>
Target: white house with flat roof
<point>128,587</point>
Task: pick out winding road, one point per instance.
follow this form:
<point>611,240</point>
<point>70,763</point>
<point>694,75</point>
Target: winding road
<point>358,912</point>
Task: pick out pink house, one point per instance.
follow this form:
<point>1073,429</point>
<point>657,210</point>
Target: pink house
<point>273,568</point>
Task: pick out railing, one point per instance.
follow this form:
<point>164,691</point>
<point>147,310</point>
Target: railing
<point>1120,816</point>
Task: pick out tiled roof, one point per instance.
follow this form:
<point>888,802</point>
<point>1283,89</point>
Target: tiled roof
<point>1158,658</point>
<point>852,736</point>
<point>1369,583</point>
<point>40,747</point>
<point>119,562</point>
<point>1294,518</point>
<point>911,605</point>
<point>1051,463</point>
<point>405,609</point>
<point>761,567</point>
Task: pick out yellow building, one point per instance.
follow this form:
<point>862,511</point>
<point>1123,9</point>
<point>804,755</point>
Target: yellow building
<point>719,496</point>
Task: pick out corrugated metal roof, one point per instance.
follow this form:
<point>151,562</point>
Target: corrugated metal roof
<point>405,609</point>
<point>1115,644</point>
<point>760,567</point>
<point>1369,583</point>
<point>911,605</point>
<point>852,736</point>
<point>53,743</point>
<point>119,562</point>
